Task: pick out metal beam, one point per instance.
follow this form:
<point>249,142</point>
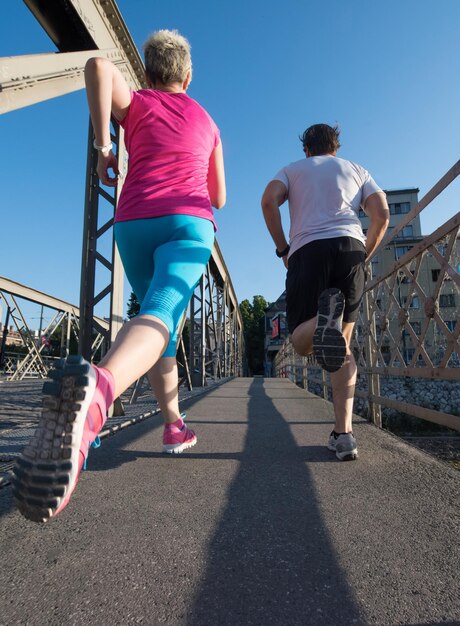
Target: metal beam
<point>89,25</point>
<point>32,78</point>
<point>39,297</point>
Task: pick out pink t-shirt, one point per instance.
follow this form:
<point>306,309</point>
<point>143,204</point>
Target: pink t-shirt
<point>169,138</point>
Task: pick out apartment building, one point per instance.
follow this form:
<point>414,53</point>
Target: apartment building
<point>415,288</point>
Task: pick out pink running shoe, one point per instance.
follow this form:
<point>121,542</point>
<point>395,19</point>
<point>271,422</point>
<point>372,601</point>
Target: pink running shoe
<point>178,437</point>
<point>73,414</point>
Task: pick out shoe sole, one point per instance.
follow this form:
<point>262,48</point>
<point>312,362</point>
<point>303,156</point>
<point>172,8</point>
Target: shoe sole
<point>329,345</point>
<point>174,448</point>
<point>347,455</point>
<point>48,467</point>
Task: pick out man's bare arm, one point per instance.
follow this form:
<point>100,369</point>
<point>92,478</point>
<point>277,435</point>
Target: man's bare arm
<point>376,208</point>
<point>274,196</point>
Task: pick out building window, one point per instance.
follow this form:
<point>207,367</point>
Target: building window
<point>435,275</point>
<point>414,303</point>
<point>398,208</point>
<point>401,251</point>
<point>447,300</point>
<point>409,353</point>
<point>407,231</point>
<point>451,326</point>
<point>441,248</point>
<point>405,279</point>
<point>416,327</point>
<point>375,267</point>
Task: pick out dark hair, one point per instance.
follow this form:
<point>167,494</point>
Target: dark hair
<point>321,139</point>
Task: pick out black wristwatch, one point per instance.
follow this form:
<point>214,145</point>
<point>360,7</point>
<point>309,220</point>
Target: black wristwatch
<point>283,253</point>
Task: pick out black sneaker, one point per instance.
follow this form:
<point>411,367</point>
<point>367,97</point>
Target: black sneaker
<point>329,345</point>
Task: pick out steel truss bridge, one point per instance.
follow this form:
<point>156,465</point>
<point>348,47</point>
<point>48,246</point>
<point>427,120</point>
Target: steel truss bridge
<point>82,29</point>
<point>266,528</point>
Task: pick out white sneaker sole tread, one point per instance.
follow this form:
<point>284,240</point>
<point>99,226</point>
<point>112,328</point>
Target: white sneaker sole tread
<point>177,448</point>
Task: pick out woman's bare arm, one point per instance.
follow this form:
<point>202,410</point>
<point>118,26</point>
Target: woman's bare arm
<point>108,93</point>
<point>216,178</point>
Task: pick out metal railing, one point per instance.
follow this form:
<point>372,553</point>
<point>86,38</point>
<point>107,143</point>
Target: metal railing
<point>64,323</point>
<point>408,329</point>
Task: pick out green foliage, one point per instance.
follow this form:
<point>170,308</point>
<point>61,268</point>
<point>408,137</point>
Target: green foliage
<point>254,332</point>
<point>16,349</point>
<point>133,306</point>
<point>56,339</point>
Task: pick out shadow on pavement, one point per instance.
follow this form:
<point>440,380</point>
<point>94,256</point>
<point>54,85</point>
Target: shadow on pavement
<point>114,457</point>
<point>271,560</point>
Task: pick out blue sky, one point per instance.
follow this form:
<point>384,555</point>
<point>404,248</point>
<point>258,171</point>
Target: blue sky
<point>386,72</point>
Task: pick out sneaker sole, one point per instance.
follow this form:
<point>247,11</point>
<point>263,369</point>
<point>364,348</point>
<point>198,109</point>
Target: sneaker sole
<point>329,345</point>
<point>48,467</point>
<point>177,448</point>
<point>348,455</point>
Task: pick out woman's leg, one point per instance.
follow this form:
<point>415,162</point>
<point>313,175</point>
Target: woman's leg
<point>76,400</point>
<point>137,347</point>
<point>180,263</point>
<point>164,380</point>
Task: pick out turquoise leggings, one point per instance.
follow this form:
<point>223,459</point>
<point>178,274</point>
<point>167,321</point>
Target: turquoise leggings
<point>164,258</point>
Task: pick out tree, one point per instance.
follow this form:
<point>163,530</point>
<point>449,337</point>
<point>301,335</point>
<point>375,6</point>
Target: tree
<point>57,340</point>
<point>254,332</point>
<point>133,305</point>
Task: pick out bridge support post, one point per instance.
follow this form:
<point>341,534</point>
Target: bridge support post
<point>93,259</point>
<point>4,336</point>
<point>373,380</point>
<point>198,337</point>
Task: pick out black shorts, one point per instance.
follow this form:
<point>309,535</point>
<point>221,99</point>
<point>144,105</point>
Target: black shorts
<point>318,265</point>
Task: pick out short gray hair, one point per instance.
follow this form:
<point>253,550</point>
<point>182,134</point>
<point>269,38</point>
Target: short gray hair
<point>167,57</point>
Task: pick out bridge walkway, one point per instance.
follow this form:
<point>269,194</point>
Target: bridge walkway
<point>259,524</point>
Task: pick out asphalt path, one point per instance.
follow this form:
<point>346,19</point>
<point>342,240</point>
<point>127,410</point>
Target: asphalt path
<point>258,524</point>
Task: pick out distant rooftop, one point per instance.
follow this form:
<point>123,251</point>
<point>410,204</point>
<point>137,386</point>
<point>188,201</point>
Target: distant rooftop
<point>394,192</point>
<point>278,305</point>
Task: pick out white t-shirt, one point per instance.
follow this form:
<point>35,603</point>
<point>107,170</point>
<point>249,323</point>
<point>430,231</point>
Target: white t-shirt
<point>325,194</point>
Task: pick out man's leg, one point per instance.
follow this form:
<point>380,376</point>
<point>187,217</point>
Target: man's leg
<point>302,337</point>
<point>343,381</point>
<point>343,386</point>
<point>341,440</point>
